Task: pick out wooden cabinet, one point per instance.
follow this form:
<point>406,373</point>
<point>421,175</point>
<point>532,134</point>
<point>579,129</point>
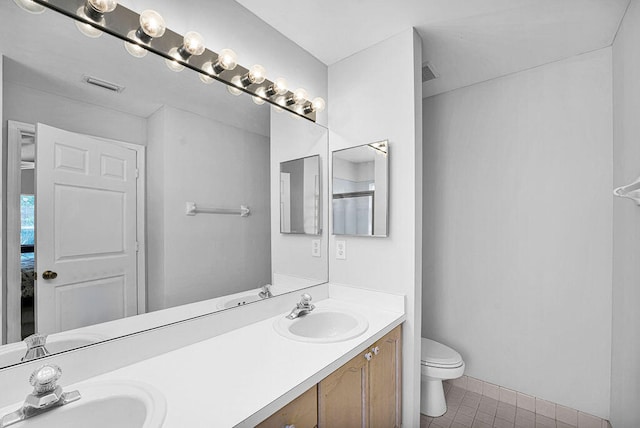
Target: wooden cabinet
<point>365,392</point>
<point>301,413</point>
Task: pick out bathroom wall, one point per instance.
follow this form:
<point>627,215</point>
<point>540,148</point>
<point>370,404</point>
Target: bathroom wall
<point>625,370</point>
<point>366,108</point>
<point>517,229</point>
<point>214,165</point>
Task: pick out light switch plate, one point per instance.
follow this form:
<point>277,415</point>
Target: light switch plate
<point>341,250</point>
<point>315,248</point>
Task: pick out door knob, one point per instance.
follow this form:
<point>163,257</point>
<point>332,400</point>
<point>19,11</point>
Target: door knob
<point>47,274</point>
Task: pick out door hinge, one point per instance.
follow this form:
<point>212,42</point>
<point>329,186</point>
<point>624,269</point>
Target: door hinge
<point>137,173</point>
<point>137,246</point>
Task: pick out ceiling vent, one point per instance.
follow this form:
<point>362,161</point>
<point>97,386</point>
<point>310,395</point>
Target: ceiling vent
<point>428,72</point>
<point>103,84</point>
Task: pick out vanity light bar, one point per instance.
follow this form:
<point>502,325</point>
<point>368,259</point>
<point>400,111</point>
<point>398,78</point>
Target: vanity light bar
<point>124,24</point>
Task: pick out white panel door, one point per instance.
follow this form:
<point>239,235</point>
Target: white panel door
<point>285,202</point>
<point>85,230</point>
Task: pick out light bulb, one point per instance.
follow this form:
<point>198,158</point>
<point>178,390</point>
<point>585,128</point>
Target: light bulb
<point>227,60</point>
<point>102,6</point>
<point>152,24</point>
<point>193,43</point>
<point>256,75</point>
<point>237,81</point>
<point>133,48</point>
<point>318,104</point>
<point>261,94</point>
<point>279,87</point>
<point>30,6</point>
<point>208,67</point>
<point>87,29</point>
<point>300,96</point>
<point>174,65</point>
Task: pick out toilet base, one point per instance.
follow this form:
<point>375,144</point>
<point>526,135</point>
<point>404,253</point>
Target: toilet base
<point>432,401</point>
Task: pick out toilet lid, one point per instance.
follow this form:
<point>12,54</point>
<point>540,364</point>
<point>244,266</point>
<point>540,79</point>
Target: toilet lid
<point>437,354</point>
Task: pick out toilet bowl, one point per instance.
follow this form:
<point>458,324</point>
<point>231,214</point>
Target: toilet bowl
<point>438,363</point>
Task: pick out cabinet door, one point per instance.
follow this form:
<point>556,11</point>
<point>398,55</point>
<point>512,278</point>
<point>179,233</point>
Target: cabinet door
<point>342,398</point>
<point>301,413</point>
<point>385,377</point>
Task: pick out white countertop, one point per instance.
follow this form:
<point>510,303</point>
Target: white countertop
<point>241,377</point>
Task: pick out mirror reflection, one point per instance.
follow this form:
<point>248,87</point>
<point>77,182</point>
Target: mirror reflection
<point>300,196</point>
<point>99,243</point>
<point>361,190</point>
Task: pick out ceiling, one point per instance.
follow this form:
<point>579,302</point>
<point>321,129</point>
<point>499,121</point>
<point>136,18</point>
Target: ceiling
<point>466,41</point>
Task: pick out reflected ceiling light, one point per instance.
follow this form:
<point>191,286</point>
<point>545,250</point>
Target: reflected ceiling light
<point>192,44</point>
<point>151,26</point>
<point>279,87</point>
<point>256,74</point>
<point>94,10</point>
<point>260,96</point>
<point>236,83</point>
<point>30,6</point>
<point>227,60</point>
<point>317,104</point>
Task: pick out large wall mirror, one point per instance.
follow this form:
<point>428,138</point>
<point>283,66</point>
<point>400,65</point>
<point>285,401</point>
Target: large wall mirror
<point>361,190</point>
<point>98,239</point>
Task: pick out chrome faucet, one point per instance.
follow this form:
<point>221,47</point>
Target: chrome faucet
<point>302,308</point>
<point>266,292</point>
<point>35,347</point>
<point>46,395</point>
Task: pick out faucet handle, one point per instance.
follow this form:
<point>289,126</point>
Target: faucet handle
<point>45,378</point>
<point>306,299</point>
<point>35,340</point>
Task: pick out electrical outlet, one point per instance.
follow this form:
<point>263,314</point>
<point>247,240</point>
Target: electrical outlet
<point>315,248</point>
<point>341,250</point>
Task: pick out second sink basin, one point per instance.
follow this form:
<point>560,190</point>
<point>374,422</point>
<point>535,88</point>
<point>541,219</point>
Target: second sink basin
<point>121,404</point>
<point>322,326</point>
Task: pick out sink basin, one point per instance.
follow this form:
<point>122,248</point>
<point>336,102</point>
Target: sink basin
<point>322,326</point>
<point>239,301</point>
<point>121,404</point>
<point>13,352</point>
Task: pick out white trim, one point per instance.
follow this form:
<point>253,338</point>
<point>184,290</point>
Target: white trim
<point>15,130</point>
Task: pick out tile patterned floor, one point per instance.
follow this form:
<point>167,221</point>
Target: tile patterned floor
<point>466,409</point>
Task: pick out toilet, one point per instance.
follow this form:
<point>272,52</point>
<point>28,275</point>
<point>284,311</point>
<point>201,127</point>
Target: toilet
<point>438,363</point>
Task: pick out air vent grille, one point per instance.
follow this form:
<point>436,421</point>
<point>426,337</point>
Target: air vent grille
<point>428,72</point>
<point>103,84</point>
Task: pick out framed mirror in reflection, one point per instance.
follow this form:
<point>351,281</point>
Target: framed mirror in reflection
<point>301,196</point>
<point>361,190</point>
<point>98,241</point>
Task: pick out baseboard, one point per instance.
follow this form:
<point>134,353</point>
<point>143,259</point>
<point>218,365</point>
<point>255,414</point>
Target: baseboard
<point>566,415</point>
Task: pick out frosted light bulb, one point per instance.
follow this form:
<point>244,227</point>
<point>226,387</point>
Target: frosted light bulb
<point>134,49</point>
<point>30,6</point>
<point>193,43</point>
<point>237,81</point>
<point>174,65</point>
<point>227,60</point>
<point>261,94</point>
<point>300,96</point>
<point>152,24</point>
<point>208,67</point>
<point>318,104</point>
<point>103,6</point>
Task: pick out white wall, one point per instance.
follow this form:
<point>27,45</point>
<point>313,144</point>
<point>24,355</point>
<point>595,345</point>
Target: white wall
<point>365,108</point>
<point>213,165</point>
<point>625,372</point>
<point>293,138</point>
<point>517,229</point>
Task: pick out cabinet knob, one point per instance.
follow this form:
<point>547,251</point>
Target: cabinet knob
<point>47,274</point>
<point>368,356</point>
<point>290,426</point>
<point>375,350</point>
